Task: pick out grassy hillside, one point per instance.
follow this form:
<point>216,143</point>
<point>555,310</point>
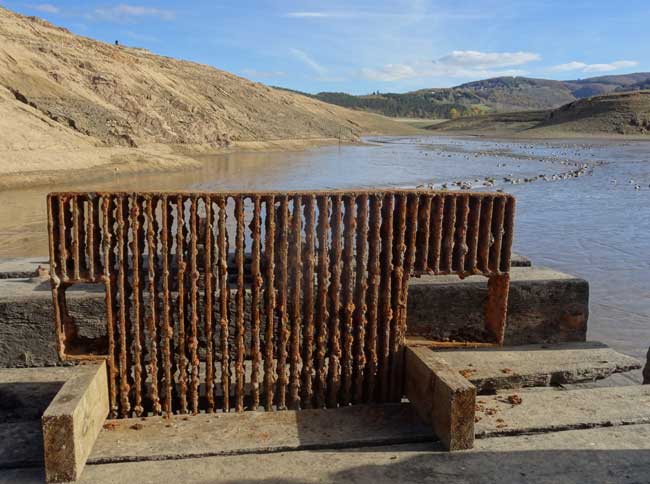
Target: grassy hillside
<point>609,114</point>
<point>499,94</point>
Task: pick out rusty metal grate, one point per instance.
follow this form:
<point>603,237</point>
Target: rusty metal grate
<point>307,311</point>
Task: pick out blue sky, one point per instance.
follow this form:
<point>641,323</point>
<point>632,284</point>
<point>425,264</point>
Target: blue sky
<point>364,46</point>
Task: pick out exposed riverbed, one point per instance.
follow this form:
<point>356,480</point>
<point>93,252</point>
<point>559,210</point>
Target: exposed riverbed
<point>583,206</point>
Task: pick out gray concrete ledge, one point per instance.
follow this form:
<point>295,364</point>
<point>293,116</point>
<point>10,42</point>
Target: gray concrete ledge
<point>545,306</point>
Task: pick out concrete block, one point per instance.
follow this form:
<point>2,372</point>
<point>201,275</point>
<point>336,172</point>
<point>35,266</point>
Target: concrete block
<point>26,320</point>
<point>72,422</point>
<point>544,306</point>
<point>442,398</point>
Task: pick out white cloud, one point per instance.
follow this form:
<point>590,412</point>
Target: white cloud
<point>308,61</point>
<point>254,73</point>
<point>584,67</point>
<point>124,12</point>
<point>486,60</point>
<point>459,64</point>
<point>46,8</point>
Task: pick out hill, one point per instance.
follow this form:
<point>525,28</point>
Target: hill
<point>609,114</point>
<point>70,102</point>
<point>495,95</point>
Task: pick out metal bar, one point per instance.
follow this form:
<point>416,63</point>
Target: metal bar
<point>423,233</point>
<point>374,277</point>
<point>497,234</point>
<point>167,331</point>
<point>448,235</point>
<point>283,315</point>
<point>125,404</point>
<point>460,240</point>
<point>180,261</point>
<point>109,291</point>
<point>76,238</point>
<point>437,216</point>
<point>224,291</point>
<point>508,234</point>
<point>473,226</point>
<point>239,330</point>
<point>193,340</point>
<point>208,275</point>
<point>360,292</point>
<point>308,303</point>
<point>347,285</point>
<point>385,290</point>
<point>137,313</point>
<point>322,314</point>
<point>295,275</point>
<point>269,295</point>
<point>152,320</point>
<point>334,330</point>
<point>485,235</point>
<point>255,301</point>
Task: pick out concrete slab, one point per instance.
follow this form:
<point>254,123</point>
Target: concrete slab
<point>544,306</point>
<point>491,369</point>
<point>552,410</point>
<point>21,444</point>
<point>604,455</point>
<point>73,420</point>
<point>158,438</point>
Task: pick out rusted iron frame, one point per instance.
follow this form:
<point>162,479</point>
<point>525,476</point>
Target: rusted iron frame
<point>459,240</point>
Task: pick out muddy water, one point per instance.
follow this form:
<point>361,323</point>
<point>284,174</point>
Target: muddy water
<point>596,225</point>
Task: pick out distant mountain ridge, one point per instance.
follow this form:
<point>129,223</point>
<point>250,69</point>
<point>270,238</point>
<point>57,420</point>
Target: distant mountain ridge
<point>494,95</point>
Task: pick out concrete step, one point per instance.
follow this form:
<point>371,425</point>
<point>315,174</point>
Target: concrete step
<point>612,455</point>
<point>492,369</point>
<point>545,306</point>
<point>552,410</point>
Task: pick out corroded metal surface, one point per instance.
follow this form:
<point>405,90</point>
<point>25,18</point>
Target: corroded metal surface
<point>308,308</point>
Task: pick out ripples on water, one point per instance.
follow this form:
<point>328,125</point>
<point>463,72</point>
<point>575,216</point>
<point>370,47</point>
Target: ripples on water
<point>590,226</point>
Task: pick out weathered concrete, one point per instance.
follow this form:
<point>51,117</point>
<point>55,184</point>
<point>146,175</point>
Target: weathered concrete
<point>544,306</point>
<point>492,369</point>
<point>605,455</point>
<point>442,398</point>
<point>22,267</point>
<point>157,438</point>
<point>518,260</point>
<point>73,420</point>
<point>21,444</point>
<point>550,410</point>
<point>26,320</point>
<point>25,394</point>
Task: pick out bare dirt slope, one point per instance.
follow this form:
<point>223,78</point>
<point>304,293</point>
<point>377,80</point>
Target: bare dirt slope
<point>69,102</point>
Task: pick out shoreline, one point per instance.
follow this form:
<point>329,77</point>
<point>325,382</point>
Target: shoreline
<point>151,159</point>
